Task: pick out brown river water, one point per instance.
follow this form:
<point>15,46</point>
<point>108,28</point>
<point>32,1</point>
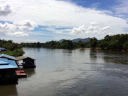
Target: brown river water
<point>80,72</point>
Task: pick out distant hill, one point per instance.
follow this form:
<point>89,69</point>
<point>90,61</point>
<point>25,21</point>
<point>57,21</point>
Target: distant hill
<point>81,40</point>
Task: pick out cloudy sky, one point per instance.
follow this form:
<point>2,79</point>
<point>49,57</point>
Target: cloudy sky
<point>44,20</point>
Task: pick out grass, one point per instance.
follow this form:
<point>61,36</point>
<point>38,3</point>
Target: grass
<point>17,52</point>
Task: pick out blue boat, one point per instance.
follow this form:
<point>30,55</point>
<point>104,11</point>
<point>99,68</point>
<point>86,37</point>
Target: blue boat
<point>8,66</point>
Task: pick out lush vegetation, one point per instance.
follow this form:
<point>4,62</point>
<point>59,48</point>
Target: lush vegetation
<point>115,42</point>
<point>64,44</point>
<point>119,42</point>
<point>12,48</point>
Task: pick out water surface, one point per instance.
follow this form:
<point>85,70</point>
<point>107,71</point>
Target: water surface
<point>80,72</point>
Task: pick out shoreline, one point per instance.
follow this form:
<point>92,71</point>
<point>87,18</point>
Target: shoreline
<point>16,52</point>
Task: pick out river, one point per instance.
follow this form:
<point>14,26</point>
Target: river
<point>80,72</point>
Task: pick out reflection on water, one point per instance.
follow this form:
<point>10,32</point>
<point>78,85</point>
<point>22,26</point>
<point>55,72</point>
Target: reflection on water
<point>80,72</point>
<point>8,90</point>
<point>93,55</point>
<point>30,72</point>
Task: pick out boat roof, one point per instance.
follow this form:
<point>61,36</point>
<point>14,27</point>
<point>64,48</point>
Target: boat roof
<point>23,57</point>
<point>8,64</point>
<point>7,56</point>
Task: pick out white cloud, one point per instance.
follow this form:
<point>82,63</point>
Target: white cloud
<point>121,8</point>
<point>20,29</point>
<point>5,10</point>
<point>105,28</point>
<point>52,12</point>
<point>92,30</point>
<point>79,30</point>
<point>26,25</point>
<point>61,13</point>
<point>18,34</point>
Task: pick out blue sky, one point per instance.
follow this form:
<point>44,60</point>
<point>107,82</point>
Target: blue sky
<point>98,4</point>
<point>44,20</point>
<point>108,5</point>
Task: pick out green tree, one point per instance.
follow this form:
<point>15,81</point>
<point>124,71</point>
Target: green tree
<point>93,42</point>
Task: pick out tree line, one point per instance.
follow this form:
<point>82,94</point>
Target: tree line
<point>64,44</point>
<point>115,42</point>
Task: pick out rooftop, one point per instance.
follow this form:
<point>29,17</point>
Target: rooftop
<point>22,57</point>
<point>7,56</point>
<point>6,63</point>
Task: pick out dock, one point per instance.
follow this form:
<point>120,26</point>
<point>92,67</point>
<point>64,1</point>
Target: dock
<point>21,73</point>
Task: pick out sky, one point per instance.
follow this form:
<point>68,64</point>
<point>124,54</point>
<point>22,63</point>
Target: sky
<point>45,20</point>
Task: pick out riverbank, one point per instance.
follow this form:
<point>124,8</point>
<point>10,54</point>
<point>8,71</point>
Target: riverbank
<point>16,52</point>
<point>11,48</point>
